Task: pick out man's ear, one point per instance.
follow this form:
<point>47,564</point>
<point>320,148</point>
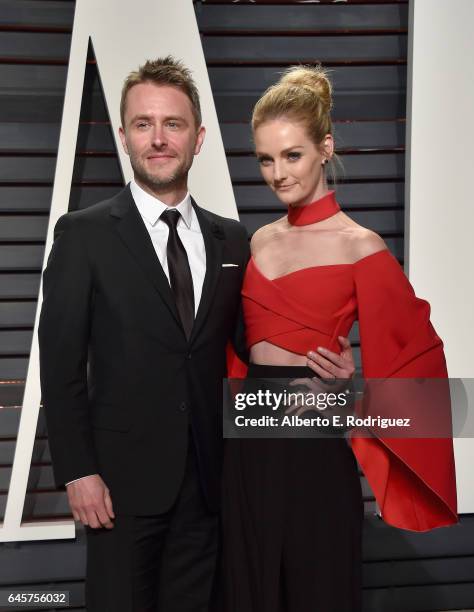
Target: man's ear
<point>200,139</point>
<point>123,139</point>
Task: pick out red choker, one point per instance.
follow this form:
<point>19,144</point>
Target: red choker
<point>318,210</point>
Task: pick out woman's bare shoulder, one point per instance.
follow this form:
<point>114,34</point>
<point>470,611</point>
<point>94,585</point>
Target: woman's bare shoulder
<point>364,242</point>
<point>266,233</point>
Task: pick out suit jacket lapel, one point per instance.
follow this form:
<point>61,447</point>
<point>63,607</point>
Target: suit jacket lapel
<point>133,233</point>
<point>214,236</point>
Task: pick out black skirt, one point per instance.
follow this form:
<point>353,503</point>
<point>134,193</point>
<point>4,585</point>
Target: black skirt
<point>292,522</point>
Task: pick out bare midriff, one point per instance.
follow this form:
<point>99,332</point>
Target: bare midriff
<point>265,353</point>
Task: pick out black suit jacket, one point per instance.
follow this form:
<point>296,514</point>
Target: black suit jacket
<point>120,382</point>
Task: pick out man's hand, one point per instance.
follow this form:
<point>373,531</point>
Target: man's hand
<point>90,502</point>
<point>327,364</point>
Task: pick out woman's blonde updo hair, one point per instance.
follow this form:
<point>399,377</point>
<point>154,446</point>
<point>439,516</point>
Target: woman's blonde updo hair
<point>303,94</point>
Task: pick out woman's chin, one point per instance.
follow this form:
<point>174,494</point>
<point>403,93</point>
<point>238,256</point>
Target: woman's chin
<point>287,198</point>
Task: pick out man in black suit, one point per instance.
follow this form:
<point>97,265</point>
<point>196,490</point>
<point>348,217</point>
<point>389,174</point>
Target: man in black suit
<point>141,295</point>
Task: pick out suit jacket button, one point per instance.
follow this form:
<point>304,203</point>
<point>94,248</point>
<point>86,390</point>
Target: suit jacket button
<point>190,355</point>
<point>183,407</point>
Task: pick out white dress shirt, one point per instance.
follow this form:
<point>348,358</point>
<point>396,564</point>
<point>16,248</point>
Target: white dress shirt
<point>189,231</point>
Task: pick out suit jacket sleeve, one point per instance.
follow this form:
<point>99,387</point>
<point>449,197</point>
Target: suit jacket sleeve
<point>237,351</point>
<point>63,340</point>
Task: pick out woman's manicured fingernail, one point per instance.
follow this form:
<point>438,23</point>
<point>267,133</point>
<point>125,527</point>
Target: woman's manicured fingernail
<point>321,350</point>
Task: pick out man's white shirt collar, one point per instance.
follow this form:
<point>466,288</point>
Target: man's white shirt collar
<point>151,208</point>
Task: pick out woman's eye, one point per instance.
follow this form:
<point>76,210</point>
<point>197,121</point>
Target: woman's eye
<point>294,155</point>
<point>264,161</point>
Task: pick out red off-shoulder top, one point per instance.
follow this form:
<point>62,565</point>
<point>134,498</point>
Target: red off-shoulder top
<point>413,480</point>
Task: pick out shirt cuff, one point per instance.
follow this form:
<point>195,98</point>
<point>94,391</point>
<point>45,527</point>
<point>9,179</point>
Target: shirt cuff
<point>76,479</point>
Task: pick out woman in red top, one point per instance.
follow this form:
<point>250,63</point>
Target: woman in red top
<point>293,508</point>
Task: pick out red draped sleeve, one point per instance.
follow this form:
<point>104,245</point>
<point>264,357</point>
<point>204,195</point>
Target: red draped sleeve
<point>236,368</point>
<point>413,479</point>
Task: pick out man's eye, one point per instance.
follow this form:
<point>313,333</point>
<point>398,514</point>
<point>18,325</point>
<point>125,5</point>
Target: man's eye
<point>173,124</point>
<point>142,124</point>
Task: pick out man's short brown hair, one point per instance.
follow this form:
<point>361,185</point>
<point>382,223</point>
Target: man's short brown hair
<point>163,71</point>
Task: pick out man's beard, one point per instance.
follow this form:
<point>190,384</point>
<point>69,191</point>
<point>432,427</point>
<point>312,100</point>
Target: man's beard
<point>155,182</point>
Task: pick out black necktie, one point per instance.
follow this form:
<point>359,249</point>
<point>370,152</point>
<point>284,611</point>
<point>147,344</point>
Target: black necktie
<point>180,272</point>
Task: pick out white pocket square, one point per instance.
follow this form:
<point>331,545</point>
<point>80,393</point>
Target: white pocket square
<point>230,265</point>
